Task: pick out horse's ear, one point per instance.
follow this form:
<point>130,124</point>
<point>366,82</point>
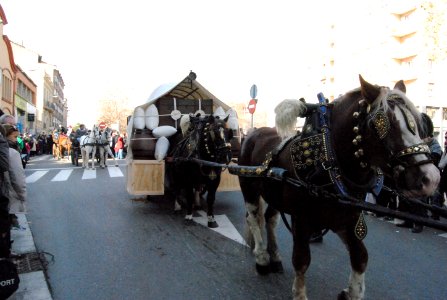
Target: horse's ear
<point>400,85</point>
<point>370,92</point>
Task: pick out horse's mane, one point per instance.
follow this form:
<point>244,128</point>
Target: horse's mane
<point>381,102</point>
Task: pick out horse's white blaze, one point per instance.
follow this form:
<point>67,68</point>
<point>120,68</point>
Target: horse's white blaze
<point>356,288</point>
<point>431,173</point>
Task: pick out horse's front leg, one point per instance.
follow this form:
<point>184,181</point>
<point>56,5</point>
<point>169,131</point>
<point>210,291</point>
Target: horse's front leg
<point>93,157</point>
<point>211,187</point>
<point>359,260</point>
<point>300,258</point>
<point>189,194</point>
<point>101,157</point>
<point>271,222</point>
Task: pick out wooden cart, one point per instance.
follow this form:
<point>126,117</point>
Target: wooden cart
<point>145,174</point>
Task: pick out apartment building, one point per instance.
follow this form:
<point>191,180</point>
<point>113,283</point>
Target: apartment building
<point>391,42</point>
<point>7,70</point>
<point>50,100</point>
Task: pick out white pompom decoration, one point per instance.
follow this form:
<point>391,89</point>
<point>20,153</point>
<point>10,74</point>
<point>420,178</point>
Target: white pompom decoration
<point>138,118</point>
<point>152,118</point>
<point>220,113</point>
<point>164,130</point>
<point>161,148</point>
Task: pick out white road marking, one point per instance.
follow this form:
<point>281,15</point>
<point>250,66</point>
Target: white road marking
<point>444,235</point>
<point>115,171</point>
<point>35,176</point>
<point>226,228</point>
<point>89,174</point>
<point>62,175</point>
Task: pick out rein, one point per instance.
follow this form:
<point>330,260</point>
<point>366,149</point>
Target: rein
<point>280,174</point>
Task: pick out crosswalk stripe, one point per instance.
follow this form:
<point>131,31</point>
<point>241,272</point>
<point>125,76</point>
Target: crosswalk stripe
<point>62,175</point>
<point>89,174</point>
<point>35,176</point>
<point>114,171</point>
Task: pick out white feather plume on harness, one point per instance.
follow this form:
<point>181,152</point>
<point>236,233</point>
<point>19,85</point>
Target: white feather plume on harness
<point>185,121</point>
<point>287,112</point>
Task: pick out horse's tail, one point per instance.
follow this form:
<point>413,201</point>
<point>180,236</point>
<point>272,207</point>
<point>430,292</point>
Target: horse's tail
<point>287,111</point>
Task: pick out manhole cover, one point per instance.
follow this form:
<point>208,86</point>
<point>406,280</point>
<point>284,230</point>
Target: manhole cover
<point>30,262</point>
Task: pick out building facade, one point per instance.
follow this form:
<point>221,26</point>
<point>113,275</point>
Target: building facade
<point>7,70</point>
<point>396,46</point>
<point>25,102</point>
<point>50,100</point>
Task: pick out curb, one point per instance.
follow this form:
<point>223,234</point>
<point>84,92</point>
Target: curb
<point>33,285</point>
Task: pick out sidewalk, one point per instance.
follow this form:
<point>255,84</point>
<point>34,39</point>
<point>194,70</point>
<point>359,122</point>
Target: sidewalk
<point>33,284</point>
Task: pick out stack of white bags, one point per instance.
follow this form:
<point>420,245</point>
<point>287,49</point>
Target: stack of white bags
<point>149,119</point>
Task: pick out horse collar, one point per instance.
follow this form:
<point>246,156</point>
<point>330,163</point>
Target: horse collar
<point>330,162</point>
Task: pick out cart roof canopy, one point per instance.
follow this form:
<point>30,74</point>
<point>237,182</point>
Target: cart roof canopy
<point>187,88</point>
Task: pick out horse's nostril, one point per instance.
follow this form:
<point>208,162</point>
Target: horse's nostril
<point>425,180</point>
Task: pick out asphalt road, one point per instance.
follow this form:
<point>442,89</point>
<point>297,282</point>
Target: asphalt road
<point>108,244</point>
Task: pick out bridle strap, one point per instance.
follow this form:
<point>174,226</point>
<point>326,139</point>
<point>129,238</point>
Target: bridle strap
<point>421,148</point>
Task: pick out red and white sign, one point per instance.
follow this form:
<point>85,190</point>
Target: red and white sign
<point>252,106</point>
<point>102,125</point>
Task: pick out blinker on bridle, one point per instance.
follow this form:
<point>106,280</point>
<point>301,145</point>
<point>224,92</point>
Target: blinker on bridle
<point>382,127</point>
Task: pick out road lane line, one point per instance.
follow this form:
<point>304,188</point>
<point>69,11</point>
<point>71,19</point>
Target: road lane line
<point>226,228</point>
<point>62,175</point>
<point>115,171</point>
<point>35,176</point>
<point>89,174</point>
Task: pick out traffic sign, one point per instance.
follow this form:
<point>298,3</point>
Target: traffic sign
<point>252,106</point>
<point>253,91</point>
<point>102,125</point>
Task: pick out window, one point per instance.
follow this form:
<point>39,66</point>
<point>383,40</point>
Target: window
<point>444,113</point>
<point>6,88</point>
<point>431,111</point>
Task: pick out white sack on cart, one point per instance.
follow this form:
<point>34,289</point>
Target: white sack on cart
<point>161,148</point>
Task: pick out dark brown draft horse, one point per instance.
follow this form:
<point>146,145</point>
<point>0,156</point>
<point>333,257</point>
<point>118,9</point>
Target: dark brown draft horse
<point>207,138</point>
<point>345,148</point>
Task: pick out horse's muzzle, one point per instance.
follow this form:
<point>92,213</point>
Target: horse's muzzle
<point>417,181</point>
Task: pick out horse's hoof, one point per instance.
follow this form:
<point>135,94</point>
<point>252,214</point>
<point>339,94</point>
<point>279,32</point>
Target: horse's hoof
<point>116,165</point>
<point>276,267</point>
<point>343,296</point>
<point>262,270</point>
<point>189,222</point>
<point>213,224</point>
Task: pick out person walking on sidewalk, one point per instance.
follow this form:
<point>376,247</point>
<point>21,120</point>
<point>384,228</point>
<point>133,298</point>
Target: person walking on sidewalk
<point>16,178</point>
<point>5,225</point>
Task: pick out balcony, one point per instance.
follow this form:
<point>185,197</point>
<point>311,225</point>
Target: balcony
<point>49,106</point>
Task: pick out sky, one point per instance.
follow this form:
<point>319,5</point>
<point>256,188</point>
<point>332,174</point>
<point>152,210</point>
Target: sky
<point>125,49</point>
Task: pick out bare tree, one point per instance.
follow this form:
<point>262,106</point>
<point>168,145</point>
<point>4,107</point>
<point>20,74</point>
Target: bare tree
<point>114,111</point>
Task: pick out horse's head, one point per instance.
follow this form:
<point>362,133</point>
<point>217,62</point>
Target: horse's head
<point>386,131</point>
<point>212,136</point>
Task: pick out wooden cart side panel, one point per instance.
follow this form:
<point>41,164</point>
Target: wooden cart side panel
<point>146,177</point>
<point>228,182</point>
